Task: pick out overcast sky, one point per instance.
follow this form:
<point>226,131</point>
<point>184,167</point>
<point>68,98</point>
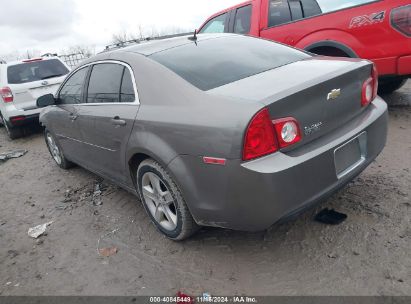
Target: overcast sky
<point>52,25</point>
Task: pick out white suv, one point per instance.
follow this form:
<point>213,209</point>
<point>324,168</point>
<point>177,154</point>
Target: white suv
<point>21,83</point>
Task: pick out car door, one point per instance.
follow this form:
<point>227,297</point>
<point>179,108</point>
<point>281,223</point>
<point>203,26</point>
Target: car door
<point>111,108</point>
<point>64,122</point>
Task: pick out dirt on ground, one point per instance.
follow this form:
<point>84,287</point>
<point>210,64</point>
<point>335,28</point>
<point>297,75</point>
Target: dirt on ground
<point>104,243</point>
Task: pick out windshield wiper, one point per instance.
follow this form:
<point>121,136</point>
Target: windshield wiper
<point>51,76</point>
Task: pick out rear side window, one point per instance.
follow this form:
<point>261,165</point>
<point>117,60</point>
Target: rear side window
<point>72,90</point>
<point>105,82</point>
<point>279,12</point>
<point>215,62</point>
<point>334,5</point>
<point>296,9</point>
<point>127,88</point>
<point>242,22</point>
<point>35,71</point>
<point>310,8</point>
<point>215,25</point>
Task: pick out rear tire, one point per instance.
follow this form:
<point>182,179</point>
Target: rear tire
<point>390,85</point>
<point>164,202</point>
<point>56,152</point>
<point>12,132</point>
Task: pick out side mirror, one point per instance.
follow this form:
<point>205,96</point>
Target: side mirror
<point>45,100</point>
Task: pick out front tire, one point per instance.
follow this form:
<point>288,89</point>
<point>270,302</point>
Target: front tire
<point>390,85</point>
<point>164,202</point>
<point>56,152</point>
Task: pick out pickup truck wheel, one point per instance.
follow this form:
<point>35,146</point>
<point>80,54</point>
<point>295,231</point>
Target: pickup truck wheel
<point>390,85</point>
<point>12,132</point>
<point>56,151</point>
<point>164,202</point>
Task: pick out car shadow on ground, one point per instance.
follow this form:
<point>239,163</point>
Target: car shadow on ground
<point>400,98</point>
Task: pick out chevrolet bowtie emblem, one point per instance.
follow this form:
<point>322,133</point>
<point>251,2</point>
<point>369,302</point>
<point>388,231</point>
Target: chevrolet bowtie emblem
<point>334,94</point>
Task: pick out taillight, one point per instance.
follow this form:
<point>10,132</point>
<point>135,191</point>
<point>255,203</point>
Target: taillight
<point>401,19</point>
<point>17,119</point>
<point>370,88</point>
<point>265,136</point>
<point>6,94</point>
<point>259,138</point>
<point>288,131</point>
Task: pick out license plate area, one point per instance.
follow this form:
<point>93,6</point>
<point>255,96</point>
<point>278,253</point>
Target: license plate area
<point>350,155</point>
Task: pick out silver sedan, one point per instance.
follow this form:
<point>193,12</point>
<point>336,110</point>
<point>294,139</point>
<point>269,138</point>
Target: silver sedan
<point>218,130</point>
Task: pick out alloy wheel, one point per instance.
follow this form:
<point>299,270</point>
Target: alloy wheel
<point>159,201</point>
<point>54,150</point>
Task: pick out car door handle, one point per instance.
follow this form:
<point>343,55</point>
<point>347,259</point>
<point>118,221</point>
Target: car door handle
<point>118,122</point>
<point>73,117</point>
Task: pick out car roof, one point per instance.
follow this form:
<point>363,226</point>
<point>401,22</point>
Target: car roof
<point>155,46</point>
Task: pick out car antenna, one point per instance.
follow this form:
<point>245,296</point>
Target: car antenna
<point>194,37</point>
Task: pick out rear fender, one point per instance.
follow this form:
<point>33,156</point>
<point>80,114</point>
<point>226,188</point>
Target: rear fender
<point>150,144</point>
<point>341,40</point>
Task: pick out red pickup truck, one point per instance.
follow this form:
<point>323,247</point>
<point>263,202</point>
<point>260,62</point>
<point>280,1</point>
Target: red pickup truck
<point>379,30</point>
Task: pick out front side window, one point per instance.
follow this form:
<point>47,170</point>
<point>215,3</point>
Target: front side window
<point>242,22</point>
<point>35,71</point>
<point>334,5</point>
<point>279,12</point>
<point>72,90</point>
<point>105,82</point>
<point>215,25</point>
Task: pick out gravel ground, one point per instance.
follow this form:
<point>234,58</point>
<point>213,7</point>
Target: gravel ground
<point>368,254</point>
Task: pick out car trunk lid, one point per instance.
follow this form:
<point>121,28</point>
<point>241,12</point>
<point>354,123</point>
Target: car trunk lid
<point>321,93</point>
<point>25,95</point>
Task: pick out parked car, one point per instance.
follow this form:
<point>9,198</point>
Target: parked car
<point>375,30</point>
<point>21,83</point>
<point>218,130</point>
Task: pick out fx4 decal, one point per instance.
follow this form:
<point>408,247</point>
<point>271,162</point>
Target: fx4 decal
<point>367,19</point>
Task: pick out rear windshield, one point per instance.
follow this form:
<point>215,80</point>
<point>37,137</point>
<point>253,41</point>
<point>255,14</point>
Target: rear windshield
<point>212,63</point>
<point>35,71</point>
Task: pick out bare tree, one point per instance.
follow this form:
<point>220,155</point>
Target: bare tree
<point>86,51</point>
<point>120,37</point>
<point>145,33</point>
<point>20,55</point>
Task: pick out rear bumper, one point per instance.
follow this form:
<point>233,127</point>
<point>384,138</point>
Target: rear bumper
<point>25,116</point>
<point>404,65</point>
<point>17,121</point>
<point>254,195</point>
<point>400,66</point>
